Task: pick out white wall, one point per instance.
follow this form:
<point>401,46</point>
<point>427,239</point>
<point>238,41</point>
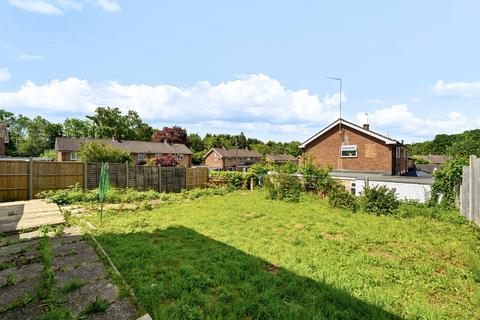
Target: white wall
<point>405,191</point>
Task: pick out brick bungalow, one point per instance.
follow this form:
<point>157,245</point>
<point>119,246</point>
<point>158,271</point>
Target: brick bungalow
<point>280,158</point>
<point>345,146</point>
<point>67,149</point>
<point>231,159</point>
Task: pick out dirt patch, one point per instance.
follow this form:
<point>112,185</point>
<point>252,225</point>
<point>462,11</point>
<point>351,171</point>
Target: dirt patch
<point>253,215</point>
<point>334,235</point>
<point>271,268</point>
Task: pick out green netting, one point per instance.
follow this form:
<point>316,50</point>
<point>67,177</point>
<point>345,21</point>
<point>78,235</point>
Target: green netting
<point>104,183</point>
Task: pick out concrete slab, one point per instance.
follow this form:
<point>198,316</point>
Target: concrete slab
<point>19,215</point>
<point>120,310</point>
<point>86,273</point>
<point>18,247</point>
<point>30,311</point>
<point>20,259</point>
<point>17,275</point>
<point>78,300</point>
<point>17,292</point>
<point>74,260</point>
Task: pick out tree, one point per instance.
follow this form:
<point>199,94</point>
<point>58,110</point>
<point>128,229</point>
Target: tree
<point>137,129</point>
<point>195,142</point>
<point>76,128</point>
<point>166,161</point>
<point>102,152</point>
<point>173,134</point>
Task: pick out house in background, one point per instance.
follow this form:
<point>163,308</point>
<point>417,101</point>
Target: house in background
<point>435,162</point>
<point>345,146</point>
<point>67,149</point>
<point>231,159</point>
<point>280,158</point>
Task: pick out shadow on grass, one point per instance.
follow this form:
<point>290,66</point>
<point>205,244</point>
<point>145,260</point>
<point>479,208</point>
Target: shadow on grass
<point>178,273</point>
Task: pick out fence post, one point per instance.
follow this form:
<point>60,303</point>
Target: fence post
<point>471,187</point>
<point>85,175</point>
<point>126,174</point>
<point>30,178</point>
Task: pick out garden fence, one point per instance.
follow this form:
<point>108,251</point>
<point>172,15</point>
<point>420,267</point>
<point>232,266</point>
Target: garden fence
<point>470,191</point>
<point>23,179</point>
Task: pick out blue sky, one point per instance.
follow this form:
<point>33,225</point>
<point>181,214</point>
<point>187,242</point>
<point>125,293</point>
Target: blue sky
<point>255,66</point>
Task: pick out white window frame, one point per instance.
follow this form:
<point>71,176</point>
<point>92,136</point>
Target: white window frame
<point>180,157</point>
<point>348,147</point>
<point>141,156</point>
<point>74,156</point>
<point>353,187</point>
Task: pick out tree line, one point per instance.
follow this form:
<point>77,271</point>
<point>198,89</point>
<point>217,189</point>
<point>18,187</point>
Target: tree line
<point>33,137</point>
<point>458,145</point>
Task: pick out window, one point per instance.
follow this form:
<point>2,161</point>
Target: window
<point>349,151</point>
<point>141,156</point>
<point>73,156</point>
<point>353,187</point>
<point>158,155</point>
<point>398,151</point>
<point>179,156</point>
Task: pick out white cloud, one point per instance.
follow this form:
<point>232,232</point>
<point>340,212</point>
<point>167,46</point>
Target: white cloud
<point>412,127</point>
<point>255,101</point>
<point>109,5</point>
<point>38,6</point>
<point>457,89</point>
<point>29,57</point>
<point>60,6</point>
<point>4,74</point>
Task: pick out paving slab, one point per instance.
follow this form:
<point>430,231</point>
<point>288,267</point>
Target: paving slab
<point>62,240</point>
<point>17,292</point>
<point>78,300</point>
<point>30,311</point>
<point>19,274</point>
<point>66,249</point>
<point>86,273</point>
<point>120,310</point>
<point>22,258</point>
<point>19,215</point>
<point>74,260</point>
<point>18,247</point>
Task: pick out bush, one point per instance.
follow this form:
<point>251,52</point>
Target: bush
<point>284,186</point>
<point>341,198</point>
<point>234,179</point>
<point>447,182</point>
<point>379,200</point>
<point>102,152</point>
<point>412,209</point>
<point>317,178</point>
<point>50,154</point>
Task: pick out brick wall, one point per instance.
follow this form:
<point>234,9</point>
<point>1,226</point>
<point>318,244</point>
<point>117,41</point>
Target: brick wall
<point>372,155</point>
<point>213,160</point>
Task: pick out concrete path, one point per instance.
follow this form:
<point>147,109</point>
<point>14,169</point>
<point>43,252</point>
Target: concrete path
<point>80,280</point>
<point>20,215</point>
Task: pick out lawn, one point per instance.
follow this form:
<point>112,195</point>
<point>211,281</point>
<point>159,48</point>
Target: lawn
<point>241,256</point>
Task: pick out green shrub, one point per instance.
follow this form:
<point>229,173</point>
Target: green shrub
<point>411,209</point>
<point>341,198</point>
<point>447,182</point>
<point>379,200</point>
<point>284,186</point>
<point>102,152</point>
<point>234,179</point>
<point>317,178</point>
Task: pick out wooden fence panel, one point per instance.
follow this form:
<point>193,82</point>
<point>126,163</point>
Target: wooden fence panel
<point>470,191</point>
<point>197,178</point>
<point>13,180</point>
<point>49,175</point>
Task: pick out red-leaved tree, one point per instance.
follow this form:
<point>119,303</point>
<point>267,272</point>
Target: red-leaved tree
<point>166,161</point>
<point>173,134</point>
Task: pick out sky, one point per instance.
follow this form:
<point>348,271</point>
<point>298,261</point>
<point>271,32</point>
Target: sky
<point>260,67</point>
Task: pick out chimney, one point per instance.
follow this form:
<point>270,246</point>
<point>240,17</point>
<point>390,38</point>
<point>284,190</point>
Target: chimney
<point>366,126</point>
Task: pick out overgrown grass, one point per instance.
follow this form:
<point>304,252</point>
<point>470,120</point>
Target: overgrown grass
<point>75,194</point>
<point>242,256</point>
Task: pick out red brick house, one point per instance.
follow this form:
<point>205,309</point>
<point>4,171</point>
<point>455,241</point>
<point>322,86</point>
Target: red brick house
<point>345,146</point>
<point>231,159</point>
<point>67,149</point>
<point>280,158</point>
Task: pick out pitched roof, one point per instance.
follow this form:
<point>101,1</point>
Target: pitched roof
<point>73,144</point>
<point>281,157</point>
<point>232,153</point>
<point>436,158</point>
<point>4,132</point>
<point>349,124</point>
